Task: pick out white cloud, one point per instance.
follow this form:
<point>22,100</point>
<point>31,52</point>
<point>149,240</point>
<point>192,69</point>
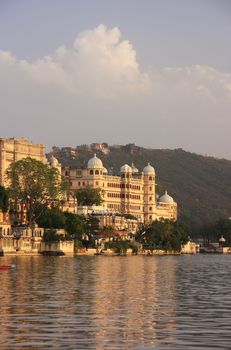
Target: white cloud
<point>98,64</point>
<point>96,90</point>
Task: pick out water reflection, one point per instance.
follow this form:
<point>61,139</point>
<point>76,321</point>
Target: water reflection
<point>115,302</point>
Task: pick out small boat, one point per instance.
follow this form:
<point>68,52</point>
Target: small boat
<point>7,267</point>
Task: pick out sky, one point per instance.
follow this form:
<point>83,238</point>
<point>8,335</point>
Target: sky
<point>156,73</point>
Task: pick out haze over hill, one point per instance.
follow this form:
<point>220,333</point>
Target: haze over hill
<point>200,185</point>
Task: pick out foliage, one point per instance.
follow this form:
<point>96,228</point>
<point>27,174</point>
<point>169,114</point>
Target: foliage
<point>91,224</point>
<point>34,184</point>
<point>4,199</point>
<point>213,231</point>
<point>135,246</point>
<point>164,234</point>
<point>78,244</point>
<point>51,236</point>
<point>223,227</point>
<point>52,218</point>
<point>74,225</point>
<point>108,228</point>
<point>120,247</point>
<point>90,243</point>
<point>89,196</point>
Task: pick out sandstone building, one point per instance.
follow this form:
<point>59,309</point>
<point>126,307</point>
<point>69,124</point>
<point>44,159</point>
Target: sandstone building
<point>14,149</point>
<point>130,192</point>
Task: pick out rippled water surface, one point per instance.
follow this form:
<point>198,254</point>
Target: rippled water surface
<point>137,302</point>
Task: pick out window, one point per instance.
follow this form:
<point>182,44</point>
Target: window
<point>97,172</point>
<point>150,198</point>
<point>150,188</point>
<point>150,177</point>
<point>150,208</point>
<point>91,172</point>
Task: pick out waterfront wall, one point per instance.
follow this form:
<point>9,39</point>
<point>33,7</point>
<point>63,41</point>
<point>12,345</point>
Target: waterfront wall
<point>66,247</point>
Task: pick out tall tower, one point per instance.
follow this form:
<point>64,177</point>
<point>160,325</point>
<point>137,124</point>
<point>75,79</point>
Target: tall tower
<point>95,172</point>
<point>149,194</point>
<point>126,173</point>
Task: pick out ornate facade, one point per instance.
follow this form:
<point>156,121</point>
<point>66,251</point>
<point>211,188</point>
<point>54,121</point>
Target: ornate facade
<point>131,192</point>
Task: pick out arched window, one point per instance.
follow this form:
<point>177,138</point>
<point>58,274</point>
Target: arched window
<point>91,172</point>
<point>150,178</point>
<point>97,172</point>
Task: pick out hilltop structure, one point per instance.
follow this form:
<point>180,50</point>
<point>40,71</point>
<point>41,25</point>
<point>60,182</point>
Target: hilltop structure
<point>130,193</point>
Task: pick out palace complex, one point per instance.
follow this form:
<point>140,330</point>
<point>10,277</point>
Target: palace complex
<point>132,192</point>
<point>129,198</point>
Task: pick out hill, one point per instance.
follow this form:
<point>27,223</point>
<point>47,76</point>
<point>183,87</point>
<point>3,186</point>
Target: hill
<point>200,185</point>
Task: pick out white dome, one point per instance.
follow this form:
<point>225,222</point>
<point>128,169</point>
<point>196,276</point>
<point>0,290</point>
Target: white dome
<point>94,163</point>
<point>166,199</point>
<point>149,169</point>
<point>125,169</point>
<point>54,161</point>
<point>105,171</point>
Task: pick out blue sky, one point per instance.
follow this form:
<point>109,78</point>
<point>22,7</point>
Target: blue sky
<point>171,80</point>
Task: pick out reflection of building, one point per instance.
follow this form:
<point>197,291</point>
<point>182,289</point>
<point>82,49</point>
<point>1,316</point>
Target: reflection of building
<point>131,192</point>
<point>14,149</point>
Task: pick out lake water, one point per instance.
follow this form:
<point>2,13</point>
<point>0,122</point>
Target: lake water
<point>136,302</point>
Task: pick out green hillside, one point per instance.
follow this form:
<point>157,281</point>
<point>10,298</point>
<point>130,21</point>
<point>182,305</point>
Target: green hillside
<point>200,185</point>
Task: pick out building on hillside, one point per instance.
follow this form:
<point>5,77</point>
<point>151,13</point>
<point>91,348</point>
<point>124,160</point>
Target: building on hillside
<point>14,149</point>
<point>131,192</point>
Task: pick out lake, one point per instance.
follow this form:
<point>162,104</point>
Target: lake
<point>134,302</point>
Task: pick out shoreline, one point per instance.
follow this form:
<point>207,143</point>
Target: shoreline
<point>87,254</point>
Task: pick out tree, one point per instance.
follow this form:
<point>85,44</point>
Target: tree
<point>89,196</point>
<point>52,218</point>
<point>223,227</point>
<point>74,225</point>
<point>4,199</point>
<point>91,224</point>
<point>164,234</point>
<point>34,185</point>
